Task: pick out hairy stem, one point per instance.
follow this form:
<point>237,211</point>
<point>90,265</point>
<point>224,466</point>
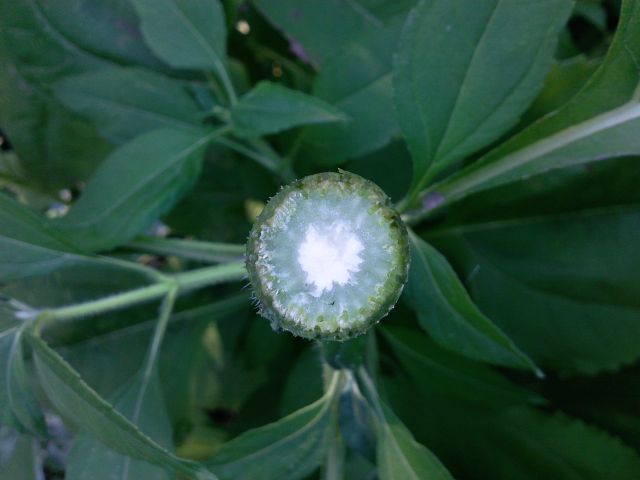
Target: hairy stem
<point>181,282</point>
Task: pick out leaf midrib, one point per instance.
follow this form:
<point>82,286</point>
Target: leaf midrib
<point>134,108</point>
<point>629,111</point>
<point>145,181</point>
<point>312,422</point>
<point>469,380</point>
<point>472,60</point>
<point>215,58</point>
<point>509,348</point>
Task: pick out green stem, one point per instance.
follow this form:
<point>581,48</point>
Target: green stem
<point>372,391</point>
<point>334,465</point>
<point>263,160</point>
<point>334,380</point>
<point>194,250</point>
<point>204,277</point>
<point>284,167</point>
<point>151,363</point>
<point>228,86</point>
<point>181,282</point>
<point>112,302</point>
<point>58,334</point>
<point>482,174</point>
<point>217,91</point>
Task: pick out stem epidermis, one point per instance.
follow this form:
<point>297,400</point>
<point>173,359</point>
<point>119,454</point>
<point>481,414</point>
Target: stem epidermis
<point>180,283</point>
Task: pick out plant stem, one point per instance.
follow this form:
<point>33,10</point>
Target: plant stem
<point>284,168</point>
<point>372,391</point>
<point>484,174</point>
<point>263,160</point>
<point>112,302</point>
<point>334,465</point>
<point>204,277</point>
<point>58,334</point>
<point>181,282</point>
<point>191,249</point>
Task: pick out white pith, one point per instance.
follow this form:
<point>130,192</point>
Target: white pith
<point>329,255</point>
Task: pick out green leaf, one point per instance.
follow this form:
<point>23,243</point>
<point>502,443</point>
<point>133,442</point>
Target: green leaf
<point>18,404</point>
<point>530,445</point>
<point>389,168</point>
<point>357,80</point>
<point>135,185</point>
<point>19,456</point>
<point>601,121</point>
<point>140,401</point>
<point>445,311</point>
<point>357,422</point>
<point>303,383</point>
<point>126,102</point>
<point>108,30</point>
<point>291,448</point>
<point>490,62</point>
<point>42,42</point>
<point>518,443</point>
<point>564,286</point>
<point>76,401</point>
<point>28,246</point>
<point>55,147</point>
<point>216,208</point>
<point>353,43</point>
<point>565,79</point>
<point>594,185</point>
<point>400,457</point>
<point>115,348</point>
<point>453,376</point>
<point>185,34</point>
<point>322,29</point>
<point>271,108</point>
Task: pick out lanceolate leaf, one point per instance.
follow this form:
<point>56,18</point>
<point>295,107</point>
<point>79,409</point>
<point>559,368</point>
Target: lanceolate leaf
<point>291,448</point>
<point>108,30</point>
<point>564,287</point>
<point>322,30</point>
<point>601,121</point>
<point>270,108</point>
<point>91,458</point>
<point>400,457</point>
<point>18,404</point>
<point>466,70</point>
<point>76,401</point>
<point>556,447</point>
<point>123,103</point>
<point>436,369</point>
<point>518,443</point>
<point>185,34</point>
<point>445,311</point>
<point>134,186</point>
<point>19,455</point>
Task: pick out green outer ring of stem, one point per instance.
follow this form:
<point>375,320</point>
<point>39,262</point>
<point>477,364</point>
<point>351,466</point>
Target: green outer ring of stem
<point>395,280</point>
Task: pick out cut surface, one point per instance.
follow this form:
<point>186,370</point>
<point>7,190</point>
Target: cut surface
<point>329,253</point>
<point>328,256</point>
